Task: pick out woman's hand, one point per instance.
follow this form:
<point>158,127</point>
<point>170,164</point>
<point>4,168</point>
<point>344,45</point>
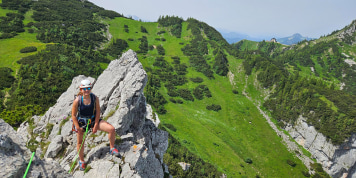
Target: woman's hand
<point>95,128</point>
<point>81,130</point>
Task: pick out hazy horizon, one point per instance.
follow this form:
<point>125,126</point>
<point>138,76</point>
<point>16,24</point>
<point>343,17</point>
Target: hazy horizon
<point>278,18</point>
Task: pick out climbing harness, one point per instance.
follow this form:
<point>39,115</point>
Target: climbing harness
<point>83,120</point>
<point>86,131</point>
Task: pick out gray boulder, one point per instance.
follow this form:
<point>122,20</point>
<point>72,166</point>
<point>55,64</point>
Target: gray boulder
<point>54,147</point>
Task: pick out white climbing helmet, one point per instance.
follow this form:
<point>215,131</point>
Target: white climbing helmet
<point>85,84</point>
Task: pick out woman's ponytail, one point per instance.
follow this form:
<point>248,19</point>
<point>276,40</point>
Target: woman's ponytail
<point>80,93</point>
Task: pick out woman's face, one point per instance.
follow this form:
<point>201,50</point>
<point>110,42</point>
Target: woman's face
<point>86,91</point>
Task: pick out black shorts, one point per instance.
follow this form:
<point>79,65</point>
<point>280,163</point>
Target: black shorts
<point>84,121</point>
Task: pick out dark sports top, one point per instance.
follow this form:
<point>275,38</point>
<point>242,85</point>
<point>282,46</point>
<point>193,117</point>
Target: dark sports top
<point>87,110</point>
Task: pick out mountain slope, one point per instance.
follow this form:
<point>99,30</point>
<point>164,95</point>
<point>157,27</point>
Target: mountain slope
<point>312,84</point>
<point>205,56</point>
<point>190,86</point>
<point>219,137</point>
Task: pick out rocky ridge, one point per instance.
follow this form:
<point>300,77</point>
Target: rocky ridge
<point>348,35</point>
<point>120,92</point>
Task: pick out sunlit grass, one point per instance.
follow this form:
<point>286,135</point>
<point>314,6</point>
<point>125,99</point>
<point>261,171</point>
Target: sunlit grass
<point>225,138</point>
<point>10,49</point>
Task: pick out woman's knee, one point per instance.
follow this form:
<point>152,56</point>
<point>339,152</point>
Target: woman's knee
<point>79,138</point>
<point>111,129</point>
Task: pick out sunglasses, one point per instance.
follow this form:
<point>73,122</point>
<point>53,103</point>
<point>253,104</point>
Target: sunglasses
<point>85,89</point>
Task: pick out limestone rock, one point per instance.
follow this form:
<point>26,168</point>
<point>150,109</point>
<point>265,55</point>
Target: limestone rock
<point>337,160</point>
<point>185,166</point>
<point>54,147</point>
<point>15,157</point>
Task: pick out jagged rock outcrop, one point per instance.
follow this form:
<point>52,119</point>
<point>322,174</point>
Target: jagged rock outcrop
<point>120,92</point>
<point>348,34</point>
<point>15,157</point>
<point>337,160</point>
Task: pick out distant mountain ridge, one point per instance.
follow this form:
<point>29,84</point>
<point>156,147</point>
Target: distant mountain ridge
<point>234,37</point>
<point>294,39</point>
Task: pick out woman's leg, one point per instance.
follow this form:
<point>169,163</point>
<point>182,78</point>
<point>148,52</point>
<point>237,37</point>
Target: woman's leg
<point>79,143</point>
<point>106,127</point>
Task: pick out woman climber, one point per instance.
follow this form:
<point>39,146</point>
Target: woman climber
<point>86,110</point>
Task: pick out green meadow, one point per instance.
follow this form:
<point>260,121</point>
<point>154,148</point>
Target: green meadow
<point>225,138</point>
<point>10,48</point>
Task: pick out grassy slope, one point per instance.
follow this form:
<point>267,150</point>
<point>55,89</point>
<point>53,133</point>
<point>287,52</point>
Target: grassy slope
<point>198,129</point>
<point>10,48</point>
<point>249,45</point>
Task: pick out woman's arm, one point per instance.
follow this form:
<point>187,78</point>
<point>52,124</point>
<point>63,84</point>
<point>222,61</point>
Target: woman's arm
<point>74,114</point>
<point>97,114</point>
<point>97,109</point>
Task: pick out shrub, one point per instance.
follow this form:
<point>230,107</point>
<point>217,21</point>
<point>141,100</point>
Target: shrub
<point>143,29</point>
<point>28,49</point>
<point>221,64</point>
<point>291,163</point>
<point>172,100</point>
<point>6,35</point>
<point>235,91</point>
<point>200,65</point>
<point>197,80</point>
<point>161,110</point>
<point>201,91</point>
<point>181,69</point>
<point>306,173</point>
<point>179,101</point>
<point>170,127</point>
<point>248,160</point>
<point>150,47</point>
<point>172,92</point>
<point>160,32</point>
<point>116,48</point>
<point>130,39</point>
<point>186,94</point>
<point>161,50</point>
<point>176,60</point>
<point>198,93</point>
<point>143,45</point>
<point>30,30</point>
<point>30,24</point>
<point>213,107</point>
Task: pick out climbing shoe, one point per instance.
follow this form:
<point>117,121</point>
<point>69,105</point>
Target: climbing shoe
<point>82,165</point>
<point>114,151</point>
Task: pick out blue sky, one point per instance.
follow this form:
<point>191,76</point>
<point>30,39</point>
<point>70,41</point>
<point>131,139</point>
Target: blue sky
<point>278,18</point>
